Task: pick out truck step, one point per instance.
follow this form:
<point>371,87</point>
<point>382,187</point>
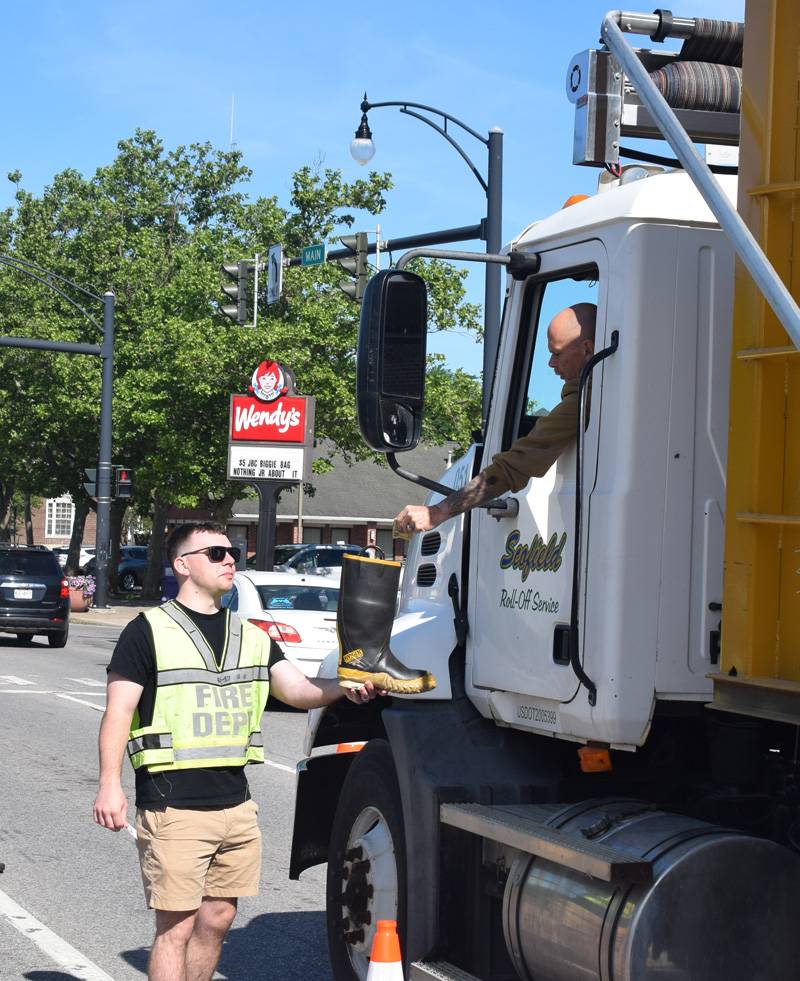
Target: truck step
<point>513,825</point>
<point>438,971</point>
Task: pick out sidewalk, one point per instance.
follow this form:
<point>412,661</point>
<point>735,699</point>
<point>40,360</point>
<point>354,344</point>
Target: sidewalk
<point>117,614</point>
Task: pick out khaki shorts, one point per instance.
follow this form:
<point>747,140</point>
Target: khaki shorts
<point>186,854</point>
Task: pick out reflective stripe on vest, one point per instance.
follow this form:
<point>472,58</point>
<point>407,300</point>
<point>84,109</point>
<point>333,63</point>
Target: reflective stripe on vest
<point>203,715</point>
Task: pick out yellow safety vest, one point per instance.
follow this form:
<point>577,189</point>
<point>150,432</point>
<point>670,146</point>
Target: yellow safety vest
<point>202,716</point>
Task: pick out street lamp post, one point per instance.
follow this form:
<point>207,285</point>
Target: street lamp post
<point>362,150</point>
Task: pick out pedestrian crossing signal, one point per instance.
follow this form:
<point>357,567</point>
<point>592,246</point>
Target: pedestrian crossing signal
<point>90,481</point>
<point>123,482</point>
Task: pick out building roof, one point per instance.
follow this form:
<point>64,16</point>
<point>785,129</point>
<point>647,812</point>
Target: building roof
<point>365,491</point>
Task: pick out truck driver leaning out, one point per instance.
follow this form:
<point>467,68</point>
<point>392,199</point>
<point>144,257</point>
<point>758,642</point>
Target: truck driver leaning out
<point>570,338</point>
<point>187,686</point>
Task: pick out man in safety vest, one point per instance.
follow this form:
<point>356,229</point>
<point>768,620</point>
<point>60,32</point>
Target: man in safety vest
<point>187,686</point>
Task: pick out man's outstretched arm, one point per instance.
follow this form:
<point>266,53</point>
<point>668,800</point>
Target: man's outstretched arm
<point>419,517</point>
<point>529,456</point>
<point>291,686</point>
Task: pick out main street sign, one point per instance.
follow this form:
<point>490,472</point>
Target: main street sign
<point>312,255</point>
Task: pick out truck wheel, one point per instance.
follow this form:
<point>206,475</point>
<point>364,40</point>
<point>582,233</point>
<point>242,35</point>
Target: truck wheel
<point>366,861</point>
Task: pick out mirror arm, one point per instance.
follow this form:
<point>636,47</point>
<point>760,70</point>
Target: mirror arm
<point>501,504</point>
<point>521,264</point>
<point>442,489</point>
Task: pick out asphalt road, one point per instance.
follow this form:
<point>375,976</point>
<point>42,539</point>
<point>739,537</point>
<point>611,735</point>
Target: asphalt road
<point>71,902</point>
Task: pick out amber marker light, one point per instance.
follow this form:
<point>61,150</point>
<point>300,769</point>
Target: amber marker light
<point>594,759</point>
<point>349,747</point>
<point>574,199</point>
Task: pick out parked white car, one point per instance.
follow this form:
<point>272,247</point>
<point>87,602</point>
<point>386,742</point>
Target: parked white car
<point>61,553</point>
<point>297,611</point>
<point>320,560</point>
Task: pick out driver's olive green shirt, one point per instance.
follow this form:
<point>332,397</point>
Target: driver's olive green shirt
<point>534,454</point>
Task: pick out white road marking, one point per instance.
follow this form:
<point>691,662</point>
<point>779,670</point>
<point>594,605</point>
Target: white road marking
<point>24,691</point>
<point>12,679</point>
<point>40,691</point>
<point>92,682</point>
<point>58,950</point>
<point>80,701</point>
<point>281,766</point>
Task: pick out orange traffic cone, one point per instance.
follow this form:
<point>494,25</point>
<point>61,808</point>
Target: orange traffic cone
<point>385,963</point>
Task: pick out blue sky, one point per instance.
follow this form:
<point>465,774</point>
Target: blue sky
<point>80,76</point>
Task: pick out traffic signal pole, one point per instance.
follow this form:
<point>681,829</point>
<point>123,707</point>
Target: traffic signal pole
<point>465,233</point>
<point>103,537</point>
<point>106,352</point>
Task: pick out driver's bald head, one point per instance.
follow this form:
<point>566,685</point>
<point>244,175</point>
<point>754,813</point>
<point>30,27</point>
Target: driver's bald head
<point>570,337</point>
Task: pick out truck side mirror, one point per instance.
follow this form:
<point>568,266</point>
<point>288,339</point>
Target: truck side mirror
<point>390,374</point>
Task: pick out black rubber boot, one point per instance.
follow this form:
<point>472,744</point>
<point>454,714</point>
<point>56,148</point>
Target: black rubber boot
<point>367,598</point>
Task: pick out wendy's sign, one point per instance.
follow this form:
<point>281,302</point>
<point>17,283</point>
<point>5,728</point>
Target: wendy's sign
<point>272,416</point>
<point>281,421</point>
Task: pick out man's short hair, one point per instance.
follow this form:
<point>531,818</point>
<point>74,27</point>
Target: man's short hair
<point>181,534</point>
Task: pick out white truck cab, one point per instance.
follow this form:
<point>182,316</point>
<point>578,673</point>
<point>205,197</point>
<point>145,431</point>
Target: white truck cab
<point>581,614</point>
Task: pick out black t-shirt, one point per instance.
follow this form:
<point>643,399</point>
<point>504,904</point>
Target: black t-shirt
<point>213,788</point>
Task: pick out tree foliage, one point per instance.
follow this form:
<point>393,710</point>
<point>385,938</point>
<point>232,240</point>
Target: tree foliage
<point>154,226</point>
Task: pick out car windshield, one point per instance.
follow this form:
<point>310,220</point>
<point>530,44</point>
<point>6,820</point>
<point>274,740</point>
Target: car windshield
<point>329,558</point>
<point>28,564</point>
<point>320,598</point>
<point>284,552</point>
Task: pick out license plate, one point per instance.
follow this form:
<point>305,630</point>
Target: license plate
<point>23,594</point>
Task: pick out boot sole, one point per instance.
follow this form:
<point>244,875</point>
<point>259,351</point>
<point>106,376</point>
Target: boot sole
<point>352,678</point>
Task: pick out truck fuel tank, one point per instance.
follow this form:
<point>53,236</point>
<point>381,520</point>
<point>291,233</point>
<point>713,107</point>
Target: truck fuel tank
<point>722,905</point>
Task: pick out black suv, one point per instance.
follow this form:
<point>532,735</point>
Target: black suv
<point>34,596</point>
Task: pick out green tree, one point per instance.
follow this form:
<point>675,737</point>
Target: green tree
<point>154,226</point>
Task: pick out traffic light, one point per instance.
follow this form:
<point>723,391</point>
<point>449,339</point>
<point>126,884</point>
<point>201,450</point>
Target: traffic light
<point>90,481</point>
<point>123,482</point>
<point>355,265</point>
<point>236,290</point>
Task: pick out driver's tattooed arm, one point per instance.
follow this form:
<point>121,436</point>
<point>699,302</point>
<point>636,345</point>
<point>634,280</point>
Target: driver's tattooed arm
<point>478,491</point>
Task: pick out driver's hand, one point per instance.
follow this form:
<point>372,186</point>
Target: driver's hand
<point>413,518</point>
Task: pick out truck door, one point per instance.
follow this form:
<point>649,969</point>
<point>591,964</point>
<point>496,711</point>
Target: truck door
<point>522,566</point>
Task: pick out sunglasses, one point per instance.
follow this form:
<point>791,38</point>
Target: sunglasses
<point>216,553</point>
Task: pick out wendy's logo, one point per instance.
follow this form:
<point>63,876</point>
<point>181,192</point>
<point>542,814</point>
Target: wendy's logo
<point>267,383</point>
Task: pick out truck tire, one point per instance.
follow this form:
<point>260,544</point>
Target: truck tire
<point>366,861</point>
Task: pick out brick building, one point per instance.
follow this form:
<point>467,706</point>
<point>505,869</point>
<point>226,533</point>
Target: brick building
<point>52,523</point>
